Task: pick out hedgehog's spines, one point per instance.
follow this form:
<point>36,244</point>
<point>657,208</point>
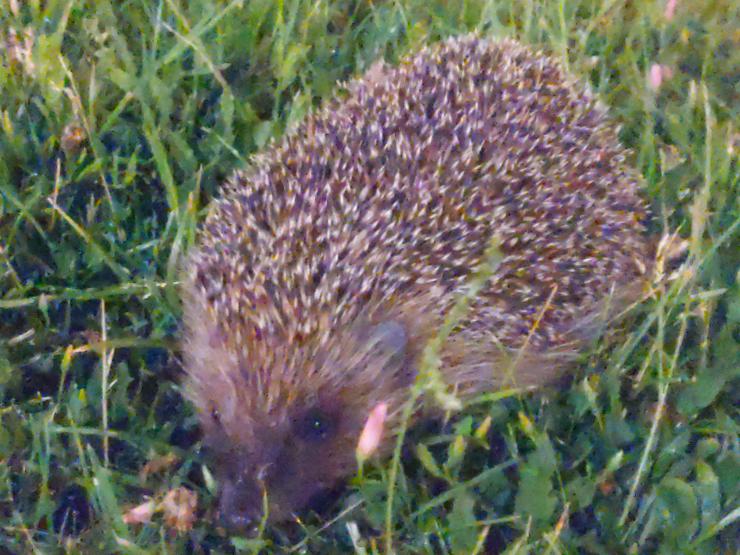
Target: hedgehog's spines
<point>375,210</point>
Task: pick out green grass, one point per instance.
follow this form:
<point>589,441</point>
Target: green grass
<point>118,120</point>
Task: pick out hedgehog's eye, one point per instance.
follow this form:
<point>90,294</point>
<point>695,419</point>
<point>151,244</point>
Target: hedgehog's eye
<point>215,415</point>
<point>315,425</point>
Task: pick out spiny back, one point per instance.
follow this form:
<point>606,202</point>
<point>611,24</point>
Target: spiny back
<point>403,182</point>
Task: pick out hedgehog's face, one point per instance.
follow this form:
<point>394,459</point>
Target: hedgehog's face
<point>293,461</point>
<point>288,457</point>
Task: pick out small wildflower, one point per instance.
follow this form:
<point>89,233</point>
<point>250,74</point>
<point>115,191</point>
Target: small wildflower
<point>372,433</point>
<point>658,73</point>
<point>655,77</point>
<point>670,9</point>
<point>72,138</point>
<point>179,509</point>
<point>141,514</point>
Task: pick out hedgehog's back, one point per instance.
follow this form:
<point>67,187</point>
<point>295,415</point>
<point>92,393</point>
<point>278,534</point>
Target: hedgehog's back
<point>401,183</point>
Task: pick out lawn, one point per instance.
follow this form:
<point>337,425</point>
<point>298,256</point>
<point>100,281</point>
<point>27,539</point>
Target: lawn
<point>118,121</point>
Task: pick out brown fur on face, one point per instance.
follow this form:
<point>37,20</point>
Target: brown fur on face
<point>291,459</point>
<point>292,440</point>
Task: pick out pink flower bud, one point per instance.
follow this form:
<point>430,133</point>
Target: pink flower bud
<point>659,73</point>
<point>372,433</point>
<point>140,514</point>
<point>655,77</point>
<point>670,9</point>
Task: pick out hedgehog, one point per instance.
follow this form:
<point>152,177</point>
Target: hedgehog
<point>328,263</point>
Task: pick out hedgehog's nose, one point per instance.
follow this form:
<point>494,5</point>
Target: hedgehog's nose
<point>237,521</point>
<point>237,510</point>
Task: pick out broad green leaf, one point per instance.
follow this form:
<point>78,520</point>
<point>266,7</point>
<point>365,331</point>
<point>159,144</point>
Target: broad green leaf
<point>707,490</point>
<point>535,497</point>
<point>676,509</point>
<point>462,524</point>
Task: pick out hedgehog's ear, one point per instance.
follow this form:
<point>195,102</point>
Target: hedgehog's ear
<point>388,341</point>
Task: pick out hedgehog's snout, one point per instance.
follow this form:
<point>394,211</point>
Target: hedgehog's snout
<point>240,504</point>
<point>285,467</point>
